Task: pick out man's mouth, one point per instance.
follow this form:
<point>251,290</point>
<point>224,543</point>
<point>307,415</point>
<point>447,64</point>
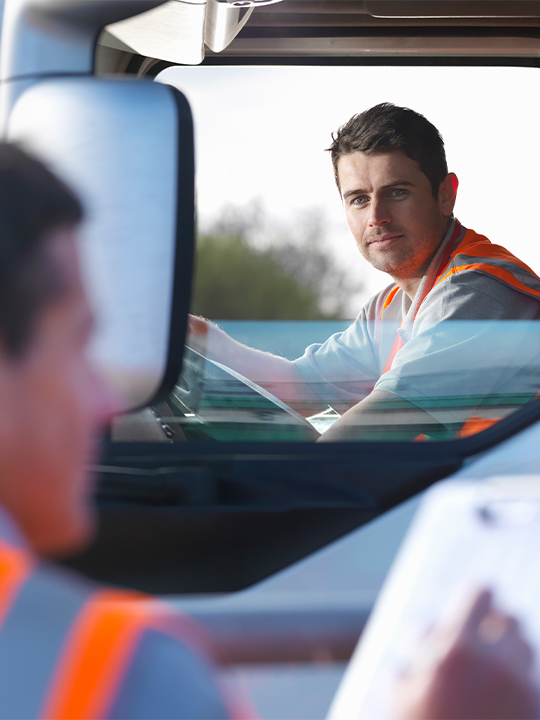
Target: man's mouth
<point>383,241</point>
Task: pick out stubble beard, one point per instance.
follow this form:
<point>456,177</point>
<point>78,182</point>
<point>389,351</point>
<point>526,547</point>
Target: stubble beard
<point>393,261</point>
<point>400,261</point>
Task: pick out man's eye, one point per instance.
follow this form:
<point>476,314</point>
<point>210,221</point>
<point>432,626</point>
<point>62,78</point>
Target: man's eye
<point>399,192</point>
<point>360,200</point>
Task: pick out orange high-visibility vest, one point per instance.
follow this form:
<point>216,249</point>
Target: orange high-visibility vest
<point>71,644</point>
<point>469,251</point>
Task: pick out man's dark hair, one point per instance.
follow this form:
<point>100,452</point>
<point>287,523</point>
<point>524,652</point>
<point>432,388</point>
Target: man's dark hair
<point>33,204</point>
<point>386,128</point>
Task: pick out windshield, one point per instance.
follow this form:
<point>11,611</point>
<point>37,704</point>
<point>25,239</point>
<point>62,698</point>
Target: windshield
<point>379,311</point>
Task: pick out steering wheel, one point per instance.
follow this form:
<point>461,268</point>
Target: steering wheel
<point>232,407</point>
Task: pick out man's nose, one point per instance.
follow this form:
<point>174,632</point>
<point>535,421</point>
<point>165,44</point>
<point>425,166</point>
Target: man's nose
<point>379,213</point>
<point>104,400</point>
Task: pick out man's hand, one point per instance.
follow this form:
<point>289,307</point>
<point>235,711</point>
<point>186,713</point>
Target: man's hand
<point>478,667</point>
<point>384,416</point>
<point>197,333</point>
<point>276,374</point>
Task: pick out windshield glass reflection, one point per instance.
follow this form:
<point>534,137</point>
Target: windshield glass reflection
<point>337,294</point>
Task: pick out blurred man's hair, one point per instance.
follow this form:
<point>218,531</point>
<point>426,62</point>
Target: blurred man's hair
<point>388,128</point>
<point>33,204</point>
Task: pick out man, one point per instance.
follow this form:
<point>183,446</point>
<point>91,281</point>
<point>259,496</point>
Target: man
<point>68,649</point>
<point>409,359</point>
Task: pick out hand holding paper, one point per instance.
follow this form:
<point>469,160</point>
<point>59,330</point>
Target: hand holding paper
<point>433,640</point>
<point>477,666</point>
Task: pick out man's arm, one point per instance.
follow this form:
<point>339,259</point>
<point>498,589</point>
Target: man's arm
<point>380,416</point>
<point>276,374</point>
<point>383,416</point>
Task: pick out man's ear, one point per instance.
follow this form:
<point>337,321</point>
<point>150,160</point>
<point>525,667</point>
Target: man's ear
<point>10,394</point>
<point>447,194</point>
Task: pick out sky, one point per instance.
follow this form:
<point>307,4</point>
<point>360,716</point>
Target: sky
<point>261,133</point>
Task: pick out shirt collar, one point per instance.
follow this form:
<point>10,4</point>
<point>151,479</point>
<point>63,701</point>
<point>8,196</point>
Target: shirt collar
<point>431,271</point>
<point>10,532</point>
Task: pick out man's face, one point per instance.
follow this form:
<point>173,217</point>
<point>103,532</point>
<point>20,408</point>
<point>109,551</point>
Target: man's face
<point>391,211</point>
<point>51,405</point>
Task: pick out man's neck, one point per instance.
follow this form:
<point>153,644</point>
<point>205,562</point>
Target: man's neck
<point>410,285</point>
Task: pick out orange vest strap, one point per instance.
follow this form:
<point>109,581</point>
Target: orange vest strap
<point>16,566</point>
<point>497,272</point>
<point>100,646</point>
<point>478,246</point>
<point>96,654</point>
<point>398,342</point>
<point>391,295</point>
<point>396,347</point>
<point>475,425</point>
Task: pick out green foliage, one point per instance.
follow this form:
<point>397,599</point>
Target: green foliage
<point>236,281</point>
<point>251,268</point>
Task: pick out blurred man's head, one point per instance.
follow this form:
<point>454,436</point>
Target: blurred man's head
<point>51,402</point>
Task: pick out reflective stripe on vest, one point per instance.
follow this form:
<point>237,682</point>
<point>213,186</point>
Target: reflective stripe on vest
<point>95,656</point>
<point>15,568</point>
<point>476,252</point>
<point>398,342</point>
<point>99,648</point>
<point>65,648</point>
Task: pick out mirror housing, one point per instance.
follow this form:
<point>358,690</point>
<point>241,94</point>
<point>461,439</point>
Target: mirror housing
<point>126,148</point>
<point>178,31</point>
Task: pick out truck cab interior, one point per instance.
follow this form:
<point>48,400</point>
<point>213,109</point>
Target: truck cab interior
<point>211,491</point>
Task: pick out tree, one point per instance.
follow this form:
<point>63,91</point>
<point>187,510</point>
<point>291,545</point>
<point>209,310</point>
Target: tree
<point>235,281</point>
<point>248,268</point>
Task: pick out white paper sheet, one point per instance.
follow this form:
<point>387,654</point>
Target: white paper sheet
<point>465,536</point>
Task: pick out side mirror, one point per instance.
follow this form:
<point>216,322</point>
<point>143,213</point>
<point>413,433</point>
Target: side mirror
<point>126,148</point>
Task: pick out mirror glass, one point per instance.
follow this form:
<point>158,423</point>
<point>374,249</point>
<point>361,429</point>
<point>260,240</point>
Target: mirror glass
<point>117,145</point>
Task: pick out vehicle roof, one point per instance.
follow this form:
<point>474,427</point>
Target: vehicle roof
<point>307,26</point>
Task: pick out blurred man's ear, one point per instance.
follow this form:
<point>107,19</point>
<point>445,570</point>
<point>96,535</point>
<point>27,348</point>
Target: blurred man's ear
<point>7,395</point>
<point>447,194</point>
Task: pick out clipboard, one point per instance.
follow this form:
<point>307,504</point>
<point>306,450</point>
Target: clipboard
<point>465,535</point>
